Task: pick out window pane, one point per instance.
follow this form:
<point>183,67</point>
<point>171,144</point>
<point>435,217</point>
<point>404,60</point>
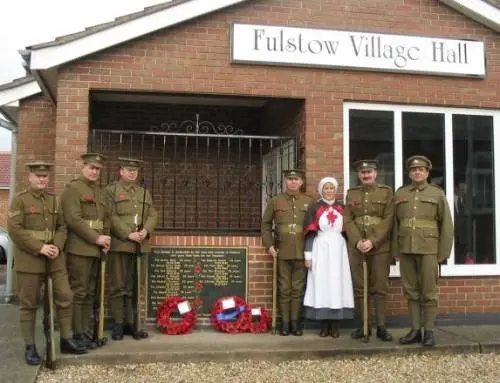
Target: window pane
<point>474,198</point>
<point>423,133</point>
<point>371,136</point>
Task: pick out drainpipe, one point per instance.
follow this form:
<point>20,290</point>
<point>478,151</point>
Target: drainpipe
<point>10,251</point>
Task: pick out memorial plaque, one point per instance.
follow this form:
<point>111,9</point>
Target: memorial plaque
<point>200,274</point>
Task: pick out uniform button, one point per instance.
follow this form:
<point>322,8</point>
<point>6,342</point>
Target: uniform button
<point>294,216</point>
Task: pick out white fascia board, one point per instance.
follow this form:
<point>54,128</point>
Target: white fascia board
<point>51,56</point>
<point>14,94</point>
<point>478,10</point>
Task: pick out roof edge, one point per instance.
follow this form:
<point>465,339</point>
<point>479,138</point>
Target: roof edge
<point>95,39</point>
<point>478,10</point>
<point>18,89</point>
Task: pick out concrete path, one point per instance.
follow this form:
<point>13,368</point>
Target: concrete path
<point>207,345</point>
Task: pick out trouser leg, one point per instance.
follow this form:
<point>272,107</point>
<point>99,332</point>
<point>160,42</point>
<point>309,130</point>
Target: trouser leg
<point>28,287</point>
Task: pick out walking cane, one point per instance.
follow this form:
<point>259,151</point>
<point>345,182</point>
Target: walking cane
<point>98,333</point>
<point>101,299</point>
<point>275,282</point>
<point>366,337</point>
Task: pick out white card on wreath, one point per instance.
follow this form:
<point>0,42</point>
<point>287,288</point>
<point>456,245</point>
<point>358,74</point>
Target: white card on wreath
<point>256,312</point>
<point>228,303</point>
<point>183,307</point>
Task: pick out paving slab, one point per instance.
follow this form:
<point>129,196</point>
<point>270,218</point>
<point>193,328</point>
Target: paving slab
<point>487,336</point>
<point>207,345</point>
<point>12,366</point>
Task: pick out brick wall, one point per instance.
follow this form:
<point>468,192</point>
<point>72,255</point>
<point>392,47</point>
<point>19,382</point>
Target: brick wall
<point>194,58</point>
<point>36,135</point>
<point>4,206</point>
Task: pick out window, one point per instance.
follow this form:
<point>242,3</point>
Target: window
<point>460,144</point>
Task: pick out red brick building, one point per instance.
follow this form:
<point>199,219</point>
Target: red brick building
<point>4,186</point>
<point>218,96</point>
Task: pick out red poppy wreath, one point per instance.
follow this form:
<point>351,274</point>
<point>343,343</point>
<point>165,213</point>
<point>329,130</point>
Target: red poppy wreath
<point>175,305</point>
<point>227,315</point>
<point>258,319</point>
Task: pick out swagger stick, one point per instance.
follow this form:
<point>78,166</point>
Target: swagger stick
<point>275,288</point>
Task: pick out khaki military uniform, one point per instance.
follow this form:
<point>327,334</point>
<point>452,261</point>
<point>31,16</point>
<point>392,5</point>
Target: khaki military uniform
<point>423,237</point>
<point>369,215</point>
<point>126,201</point>
<point>86,217</point>
<point>287,212</point>
<point>34,219</point>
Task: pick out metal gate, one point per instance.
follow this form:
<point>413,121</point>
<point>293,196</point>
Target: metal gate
<point>202,179</point>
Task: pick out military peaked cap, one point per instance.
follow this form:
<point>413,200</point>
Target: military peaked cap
<point>417,161</point>
<point>365,164</point>
<point>39,167</point>
<point>130,162</point>
<point>95,159</point>
<point>293,173</point>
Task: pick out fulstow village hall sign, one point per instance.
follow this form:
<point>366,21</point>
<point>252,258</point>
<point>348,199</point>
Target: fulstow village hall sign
<point>356,50</point>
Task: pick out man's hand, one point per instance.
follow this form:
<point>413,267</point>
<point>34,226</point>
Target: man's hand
<point>50,251</point>
<point>104,241</point>
<point>135,236</point>
<point>143,234</point>
<point>364,245</point>
<point>308,263</point>
<point>272,252</point>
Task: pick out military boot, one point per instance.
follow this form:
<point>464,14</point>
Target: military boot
<point>295,328</point>
<point>69,346</point>
<point>285,328</point>
<point>83,341</point>
<point>117,332</point>
<point>128,329</point>
<point>383,334</point>
<point>428,338</point>
<point>31,355</point>
<point>413,336</point>
<point>358,333</point>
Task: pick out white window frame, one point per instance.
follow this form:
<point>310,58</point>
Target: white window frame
<point>397,110</point>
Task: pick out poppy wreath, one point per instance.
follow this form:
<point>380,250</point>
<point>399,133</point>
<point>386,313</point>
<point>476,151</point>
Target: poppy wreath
<point>262,324</point>
<point>164,320</point>
<point>230,320</point>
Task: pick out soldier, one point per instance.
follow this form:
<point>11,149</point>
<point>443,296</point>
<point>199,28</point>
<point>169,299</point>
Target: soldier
<point>86,217</point>
<point>31,219</point>
<point>368,220</point>
<point>131,207</point>
<point>287,212</point>
<point>423,237</point>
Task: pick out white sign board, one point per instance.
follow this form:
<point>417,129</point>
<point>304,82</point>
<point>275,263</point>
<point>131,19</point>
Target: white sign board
<point>357,50</point>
